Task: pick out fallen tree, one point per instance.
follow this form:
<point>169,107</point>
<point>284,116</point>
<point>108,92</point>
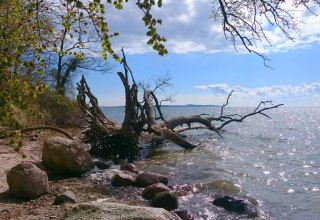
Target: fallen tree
<point>108,138</point>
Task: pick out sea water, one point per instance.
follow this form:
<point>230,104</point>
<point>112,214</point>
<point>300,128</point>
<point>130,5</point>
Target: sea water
<point>274,162</point>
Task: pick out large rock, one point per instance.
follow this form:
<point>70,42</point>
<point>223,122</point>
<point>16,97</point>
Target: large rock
<point>122,179</point>
<point>150,191</point>
<point>167,200</point>
<point>27,181</point>
<point>236,205</point>
<point>114,211</point>
<point>145,179</point>
<point>66,157</point>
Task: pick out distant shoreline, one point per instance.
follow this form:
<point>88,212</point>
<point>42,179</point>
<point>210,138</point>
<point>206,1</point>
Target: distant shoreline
<point>187,105</point>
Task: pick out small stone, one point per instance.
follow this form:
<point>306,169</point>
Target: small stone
<point>122,179</point>
<point>129,167</point>
<point>167,200</point>
<point>183,190</point>
<point>120,161</point>
<point>150,191</point>
<point>102,165</point>
<point>184,214</point>
<point>145,179</point>
<point>66,197</point>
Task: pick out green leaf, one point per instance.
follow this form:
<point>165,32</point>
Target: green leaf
<point>79,4</point>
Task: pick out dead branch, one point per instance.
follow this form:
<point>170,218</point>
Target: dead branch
<point>92,111</point>
<point>243,21</point>
<point>203,121</point>
<point>47,128</point>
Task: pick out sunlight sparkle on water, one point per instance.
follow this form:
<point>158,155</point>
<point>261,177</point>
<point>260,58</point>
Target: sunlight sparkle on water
<point>315,189</point>
<point>290,191</point>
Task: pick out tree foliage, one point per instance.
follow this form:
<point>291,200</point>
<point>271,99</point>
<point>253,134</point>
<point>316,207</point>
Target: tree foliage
<point>32,30</point>
<point>19,47</point>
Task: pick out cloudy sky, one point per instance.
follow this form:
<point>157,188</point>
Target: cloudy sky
<point>204,66</point>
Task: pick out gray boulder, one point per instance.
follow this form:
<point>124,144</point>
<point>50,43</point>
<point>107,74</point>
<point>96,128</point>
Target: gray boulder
<point>150,191</point>
<point>66,157</point>
<point>114,211</point>
<point>27,181</point>
<point>145,179</point>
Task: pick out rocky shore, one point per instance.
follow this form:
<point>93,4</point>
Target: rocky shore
<point>56,182</point>
<point>50,183</point>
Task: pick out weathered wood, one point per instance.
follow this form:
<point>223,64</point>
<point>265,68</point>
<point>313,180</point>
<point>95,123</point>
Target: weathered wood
<point>108,138</point>
<point>59,130</point>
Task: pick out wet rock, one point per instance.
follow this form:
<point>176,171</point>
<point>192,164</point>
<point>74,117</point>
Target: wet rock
<point>114,211</point>
<point>129,167</point>
<point>66,157</point>
<point>66,197</point>
<point>27,181</point>
<point>145,179</point>
<point>236,205</point>
<point>167,200</point>
<point>102,165</point>
<point>122,179</point>
<point>183,190</point>
<point>184,214</point>
<point>224,186</point>
<point>120,161</point>
<point>150,191</point>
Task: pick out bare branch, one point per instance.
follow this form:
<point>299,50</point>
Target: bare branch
<point>244,21</point>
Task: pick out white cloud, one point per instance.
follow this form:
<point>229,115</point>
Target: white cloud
<point>188,28</point>
<point>299,95</point>
<point>272,91</point>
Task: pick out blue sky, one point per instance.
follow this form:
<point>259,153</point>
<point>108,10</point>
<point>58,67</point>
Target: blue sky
<point>203,65</point>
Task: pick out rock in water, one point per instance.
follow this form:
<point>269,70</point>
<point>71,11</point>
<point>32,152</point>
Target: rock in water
<point>66,157</point>
<point>236,205</point>
<point>27,181</point>
<point>102,165</point>
<point>122,179</point>
<point>167,200</point>
<point>184,214</point>
<point>150,191</point>
<point>114,211</point>
<point>67,196</point>
<point>145,179</point>
<point>129,167</point>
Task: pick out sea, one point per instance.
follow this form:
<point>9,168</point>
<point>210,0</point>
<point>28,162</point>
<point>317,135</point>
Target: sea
<point>272,162</point>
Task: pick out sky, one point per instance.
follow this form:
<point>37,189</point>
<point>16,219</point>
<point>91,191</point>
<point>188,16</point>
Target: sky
<point>204,67</point>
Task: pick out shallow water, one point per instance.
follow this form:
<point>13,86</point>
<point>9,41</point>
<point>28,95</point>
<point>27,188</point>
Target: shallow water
<point>276,162</point>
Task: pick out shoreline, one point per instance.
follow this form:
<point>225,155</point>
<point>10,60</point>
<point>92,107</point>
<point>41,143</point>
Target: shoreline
<point>85,188</point>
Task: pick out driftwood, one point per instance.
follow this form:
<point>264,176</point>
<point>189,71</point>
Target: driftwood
<point>59,130</point>
<point>108,138</point>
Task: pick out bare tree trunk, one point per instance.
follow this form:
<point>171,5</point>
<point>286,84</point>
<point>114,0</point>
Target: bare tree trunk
<point>108,138</point>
